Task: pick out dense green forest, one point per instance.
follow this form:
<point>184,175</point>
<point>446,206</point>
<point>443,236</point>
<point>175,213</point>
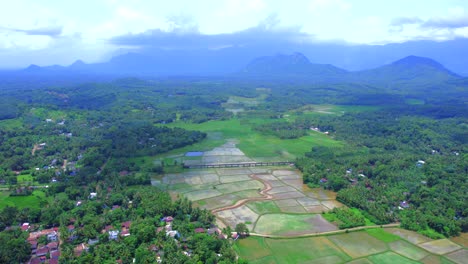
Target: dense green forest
<point>403,159</point>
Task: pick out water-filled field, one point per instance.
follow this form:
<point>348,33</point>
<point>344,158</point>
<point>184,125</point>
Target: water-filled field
<point>257,195</point>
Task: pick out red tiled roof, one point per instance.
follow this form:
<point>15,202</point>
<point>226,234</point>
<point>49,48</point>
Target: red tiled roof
<point>199,230</point>
<point>127,224</point>
<point>52,245</point>
<point>42,251</point>
<point>55,254</point>
<point>35,261</point>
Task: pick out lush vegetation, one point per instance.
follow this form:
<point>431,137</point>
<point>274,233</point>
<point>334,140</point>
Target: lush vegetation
<point>392,160</point>
<point>396,167</point>
<point>345,218</point>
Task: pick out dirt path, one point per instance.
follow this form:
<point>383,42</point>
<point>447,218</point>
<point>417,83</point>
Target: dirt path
<point>329,232</point>
<point>65,162</point>
<point>264,192</point>
<point>36,147</point>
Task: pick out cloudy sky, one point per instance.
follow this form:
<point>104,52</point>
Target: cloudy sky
<point>61,31</point>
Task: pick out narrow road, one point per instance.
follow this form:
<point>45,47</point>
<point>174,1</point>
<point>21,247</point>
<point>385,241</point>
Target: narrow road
<point>329,232</point>
<point>264,192</point>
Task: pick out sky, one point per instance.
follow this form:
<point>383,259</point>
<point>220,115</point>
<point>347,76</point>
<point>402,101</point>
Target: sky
<point>62,31</point>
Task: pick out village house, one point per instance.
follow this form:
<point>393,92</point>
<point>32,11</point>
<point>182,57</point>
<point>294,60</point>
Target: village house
<point>42,251</point>
<point>113,234</point>
<point>52,246</point>
<point>78,250</point>
<point>52,236</point>
<point>199,230</point>
<point>403,205</point>
<point>93,241</point>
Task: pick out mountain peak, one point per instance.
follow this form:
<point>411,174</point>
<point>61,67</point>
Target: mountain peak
<point>33,68</point>
<point>77,63</point>
<point>416,60</point>
<point>295,64</point>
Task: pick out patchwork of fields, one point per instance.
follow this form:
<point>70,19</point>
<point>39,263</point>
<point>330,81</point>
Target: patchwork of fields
<point>288,207</point>
<point>273,201</point>
<point>392,245</point>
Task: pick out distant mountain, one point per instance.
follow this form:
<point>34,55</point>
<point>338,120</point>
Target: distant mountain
<point>411,70</point>
<point>294,65</point>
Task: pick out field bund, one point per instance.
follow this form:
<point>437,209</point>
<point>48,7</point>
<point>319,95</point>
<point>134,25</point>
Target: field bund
<point>270,200</point>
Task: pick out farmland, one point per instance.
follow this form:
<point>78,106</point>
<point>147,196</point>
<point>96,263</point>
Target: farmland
<point>355,247</point>
<point>233,194</point>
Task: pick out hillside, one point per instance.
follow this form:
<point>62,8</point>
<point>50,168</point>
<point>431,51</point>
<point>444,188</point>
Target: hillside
<point>296,65</point>
<point>411,70</point>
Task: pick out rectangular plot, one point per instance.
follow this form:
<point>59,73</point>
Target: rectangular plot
<point>202,194</point>
<point>440,247</point>
<point>276,183</point>
<point>460,256</point>
<point>408,250</point>
<point>262,207</point>
<point>219,201</point>
<point>235,178</point>
<point>241,214</point>
<point>259,170</point>
<point>228,171</point>
<point>332,204</point>
<point>306,250</point>
<point>177,180</point>
<point>289,178</point>
<point>411,236</point>
<point>306,201</point>
<point>281,189</point>
<point>239,186</point>
<point>210,178</point>
<point>252,248</point>
<point>316,209</point>
<point>194,180</point>
<point>294,183</point>
<point>390,258</point>
<point>285,173</point>
<point>366,246</point>
<point>266,177</point>
<point>293,209</point>
<point>286,203</point>
<point>288,195</point>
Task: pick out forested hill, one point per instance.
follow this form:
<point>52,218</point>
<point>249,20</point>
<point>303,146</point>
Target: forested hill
<point>295,64</point>
<point>411,70</point>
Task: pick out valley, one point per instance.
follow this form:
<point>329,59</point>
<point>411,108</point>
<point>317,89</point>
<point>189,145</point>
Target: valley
<point>167,169</point>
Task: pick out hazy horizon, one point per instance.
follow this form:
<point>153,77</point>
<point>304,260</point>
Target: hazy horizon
<point>56,32</point>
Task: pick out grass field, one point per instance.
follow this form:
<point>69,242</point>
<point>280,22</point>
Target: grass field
<point>311,249</point>
<point>288,224</point>
<point>254,144</point>
<point>32,201</point>
<point>367,244</point>
<point>25,178</point>
<point>262,207</point>
<point>382,235</point>
<point>390,258</point>
<point>355,247</point>
<point>300,250</point>
<point>10,124</point>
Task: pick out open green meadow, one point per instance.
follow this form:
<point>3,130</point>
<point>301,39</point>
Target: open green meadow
<point>10,124</point>
<point>32,201</point>
<point>254,144</point>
